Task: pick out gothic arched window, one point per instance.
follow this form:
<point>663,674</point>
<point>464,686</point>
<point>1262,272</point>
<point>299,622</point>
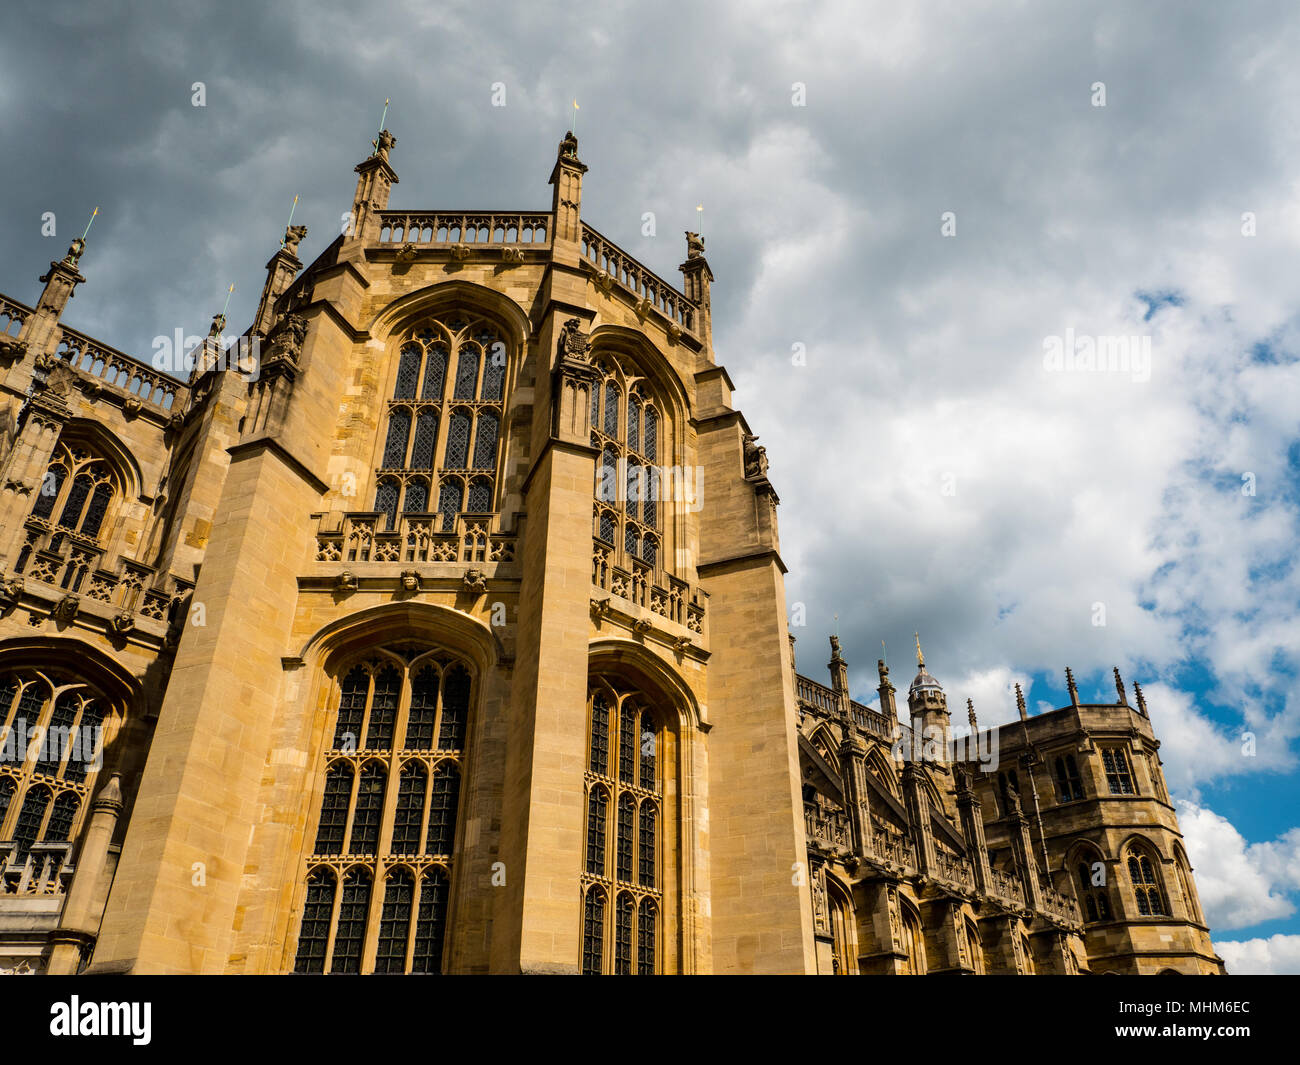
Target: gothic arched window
<point>623,837</point>
<point>69,516</point>
<point>423,697</point>
<point>1069,786</point>
<point>465,436</point>
<point>1146,884</point>
<point>631,488</point>
<point>1090,880</point>
<point>1119,772</point>
<point>52,741</point>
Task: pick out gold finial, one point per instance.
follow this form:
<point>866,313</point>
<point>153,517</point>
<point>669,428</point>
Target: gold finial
<point>920,658</point>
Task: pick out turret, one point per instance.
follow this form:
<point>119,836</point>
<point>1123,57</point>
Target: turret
<point>928,705</point>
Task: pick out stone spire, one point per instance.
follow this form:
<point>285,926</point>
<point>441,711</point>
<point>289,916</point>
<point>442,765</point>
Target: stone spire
<point>1020,703</point>
<point>970,714</point>
<point>566,199</point>
<point>375,179</point>
<point>1141,701</point>
<point>1073,689</point>
<point>40,331</point>
<point>839,669</point>
<point>281,269</point>
<point>1119,687</point>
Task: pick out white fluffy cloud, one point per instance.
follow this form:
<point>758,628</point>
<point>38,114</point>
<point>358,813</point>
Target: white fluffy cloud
<point>1239,884</point>
<point>1276,955</point>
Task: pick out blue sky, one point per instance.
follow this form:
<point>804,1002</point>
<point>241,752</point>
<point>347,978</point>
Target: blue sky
<point>935,474</point>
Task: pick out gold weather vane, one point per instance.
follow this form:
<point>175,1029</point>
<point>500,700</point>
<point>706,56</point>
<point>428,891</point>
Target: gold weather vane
<point>574,127</point>
<point>382,119</point>
<point>293,208</point>
<point>920,658</point>
<point>227,303</point>
<point>699,209</point>
<point>90,223</point>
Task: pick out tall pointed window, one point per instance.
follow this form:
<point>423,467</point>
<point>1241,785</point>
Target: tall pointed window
<point>458,369</point>
<point>1090,883</point>
<point>1149,895</point>
<point>631,488</point>
<point>70,517</point>
<point>1119,773</point>
<point>389,812</point>
<point>52,744</point>
<point>1068,785</point>
<point>623,840</point>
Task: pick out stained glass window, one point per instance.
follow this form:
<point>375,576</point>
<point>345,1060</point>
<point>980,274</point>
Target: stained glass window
<point>449,503</point>
<point>651,451</point>
<point>426,437</point>
<point>593,932</point>
<point>455,709</point>
<point>623,935</point>
<point>608,527</point>
<point>466,372</point>
<point>395,922</point>
<point>599,734</point>
<point>596,803</point>
<point>623,841</point>
<point>334,809</point>
<point>351,931</point>
<point>494,373</point>
<point>417,497</point>
<point>383,709</point>
<point>634,477</point>
<point>1119,776</point>
<point>424,709</point>
<point>1150,901</point>
<point>649,550</point>
<point>57,738</point>
<point>442,809</point>
<point>457,441</point>
<point>352,709</point>
<point>399,429</point>
<point>485,442</point>
<point>627,743</point>
<point>51,485</point>
<point>28,825</point>
<point>61,817</point>
<point>607,484</point>
<point>431,923</point>
<point>94,518</point>
<point>435,370</point>
<point>410,809</point>
<point>649,746</point>
<point>313,937</point>
<point>81,486</point>
<point>408,372</point>
<point>386,502</point>
<point>7,788</point>
<point>634,422</point>
<point>368,810</point>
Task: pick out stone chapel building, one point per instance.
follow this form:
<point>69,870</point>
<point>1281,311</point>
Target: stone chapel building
<point>439,625</point>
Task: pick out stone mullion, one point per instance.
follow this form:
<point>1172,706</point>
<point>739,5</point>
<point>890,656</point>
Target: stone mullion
<point>334,920</point>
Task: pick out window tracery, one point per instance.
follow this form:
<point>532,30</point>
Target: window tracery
<point>621,868</point>
<point>1147,891</point>
<point>71,510</point>
<point>457,416</point>
<point>395,759</point>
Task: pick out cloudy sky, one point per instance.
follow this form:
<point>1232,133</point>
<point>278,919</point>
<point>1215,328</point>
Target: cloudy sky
<point>904,206</point>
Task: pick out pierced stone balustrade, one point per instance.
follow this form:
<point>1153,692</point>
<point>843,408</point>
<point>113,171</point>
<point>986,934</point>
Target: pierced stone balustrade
<point>121,372</point>
<point>44,870</point>
<point>652,292</point>
<point>441,228</point>
<point>829,830</point>
<point>363,536</point>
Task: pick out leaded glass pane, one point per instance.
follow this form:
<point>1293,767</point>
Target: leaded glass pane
<point>435,370</point>
<point>649,747</point>
<point>631,542</point>
<point>455,709</point>
<point>599,734</point>
<point>76,500</point>
<point>607,474</point>
<point>608,527</point>
<point>49,493</point>
<point>424,709</point>
<point>417,497</point>
<point>313,936</point>
<point>90,740</point>
<point>627,743</point>
<point>30,704</point>
<point>611,409</point>
<point>408,372</point>
<point>386,502</point>
<point>494,373</point>
<point>634,478</point>
<point>58,735</point>
<point>480,497</point>
<point>61,817</point>
<point>8,689</point>
<point>383,709</point>
<point>426,438</point>
<point>623,936</point>
<point>368,810</point>
<point>634,423</point>
<point>646,938</point>
<point>98,508</point>
<point>646,843</point>
<point>623,840</point>
<point>467,360</point>
<point>485,443</point>
<point>410,810</point>
<point>449,504</point>
<point>596,804</point>
<point>28,825</point>
<point>7,787</point>
<point>593,932</point>
<point>431,923</point>
<point>395,923</point>
<point>650,550</point>
<point>457,441</point>
<point>352,708</point>
<point>595,406</point>
<point>334,809</point>
<point>442,810</point>
<point>651,451</point>
<point>351,932</point>
<point>399,430</point>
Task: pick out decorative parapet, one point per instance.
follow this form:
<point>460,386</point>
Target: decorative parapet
<point>73,565</point>
<point>1061,906</point>
<point>612,266</point>
<point>956,869</point>
<point>1006,887</point>
<point>363,536</point>
<point>470,230</point>
<point>828,831</point>
<point>645,586</point>
<point>121,373</point>
<point>44,870</point>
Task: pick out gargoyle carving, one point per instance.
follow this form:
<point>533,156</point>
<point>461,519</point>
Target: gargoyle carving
<point>293,236</point>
